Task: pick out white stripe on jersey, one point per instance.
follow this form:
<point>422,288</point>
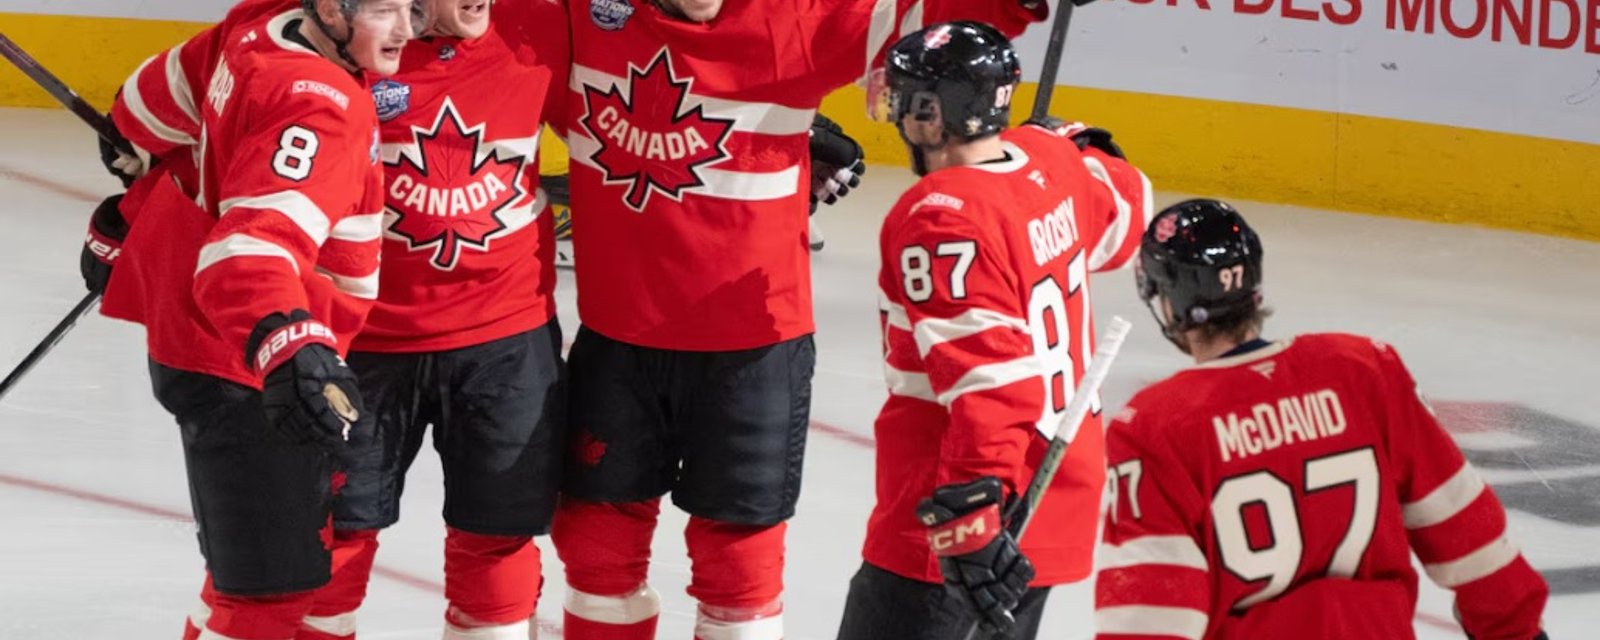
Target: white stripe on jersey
<point>992,376</point>
<point>1445,501</point>
<point>291,204</point>
<point>749,117</point>
<point>897,313</point>
<point>238,245</point>
<point>178,85</point>
<point>361,228</point>
<point>132,99</point>
<point>1119,228</point>
<point>878,33</point>
<point>932,332</point>
<point>728,185</point>
<point>1486,560</point>
<point>1135,620</point>
<point>1177,551</point>
<point>910,384</point>
<point>364,287</point>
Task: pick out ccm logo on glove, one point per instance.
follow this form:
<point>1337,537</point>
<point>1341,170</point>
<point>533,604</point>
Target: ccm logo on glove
<point>965,535</point>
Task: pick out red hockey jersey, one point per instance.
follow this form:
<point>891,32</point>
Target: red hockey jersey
<point>690,167</point>
<point>987,327</point>
<point>468,251</point>
<point>287,214</point>
<point>1280,493</point>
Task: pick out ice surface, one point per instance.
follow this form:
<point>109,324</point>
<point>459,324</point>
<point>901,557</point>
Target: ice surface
<point>1502,329</point>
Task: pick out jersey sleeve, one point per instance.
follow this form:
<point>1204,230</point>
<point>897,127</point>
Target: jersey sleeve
<point>1153,576</point>
<point>1453,520</point>
<point>963,315</point>
<point>1121,202</point>
<point>847,39</point>
<point>156,109</point>
<point>537,31</point>
<point>302,167</point>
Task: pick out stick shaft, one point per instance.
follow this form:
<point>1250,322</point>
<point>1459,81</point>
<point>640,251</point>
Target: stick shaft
<point>54,337</point>
<point>60,91</point>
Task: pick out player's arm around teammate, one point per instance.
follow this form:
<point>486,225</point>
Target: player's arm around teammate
<point>1278,489</point>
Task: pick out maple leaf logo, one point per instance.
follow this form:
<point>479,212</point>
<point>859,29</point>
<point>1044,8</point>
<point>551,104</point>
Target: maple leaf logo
<point>648,139</point>
<point>451,193</point>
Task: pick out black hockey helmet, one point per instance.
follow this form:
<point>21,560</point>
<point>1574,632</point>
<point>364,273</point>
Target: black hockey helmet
<point>1201,258</point>
<point>969,67</point>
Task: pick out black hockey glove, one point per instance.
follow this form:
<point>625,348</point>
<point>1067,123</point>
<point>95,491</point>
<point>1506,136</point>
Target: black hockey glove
<point>307,391</point>
<point>102,244</point>
<point>122,166</point>
<point>1084,137</point>
<point>976,553</point>
<point>837,162</point>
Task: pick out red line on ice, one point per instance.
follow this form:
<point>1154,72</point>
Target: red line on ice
<point>414,581</point>
<point>60,188</point>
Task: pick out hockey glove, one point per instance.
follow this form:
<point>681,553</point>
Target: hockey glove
<point>976,554</point>
<point>102,245</point>
<point>307,391</point>
<point>837,162</point>
<point>1083,136</point>
<point>124,167</point>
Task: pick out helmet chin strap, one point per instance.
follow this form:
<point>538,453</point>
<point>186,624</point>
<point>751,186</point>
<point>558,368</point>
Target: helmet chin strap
<point>341,46</point>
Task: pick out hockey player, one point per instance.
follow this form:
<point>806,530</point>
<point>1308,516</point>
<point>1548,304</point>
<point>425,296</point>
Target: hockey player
<point>690,125</point>
<point>463,335</point>
<point>252,266</point>
<point>987,326</point>
<point>1278,489</point>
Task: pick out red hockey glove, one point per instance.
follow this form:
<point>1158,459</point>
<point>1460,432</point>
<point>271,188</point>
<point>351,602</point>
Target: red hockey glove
<point>102,245</point>
<point>976,553</point>
<point>837,162</point>
<point>307,391</point>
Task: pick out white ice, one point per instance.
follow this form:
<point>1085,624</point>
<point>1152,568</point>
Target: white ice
<point>94,541</point>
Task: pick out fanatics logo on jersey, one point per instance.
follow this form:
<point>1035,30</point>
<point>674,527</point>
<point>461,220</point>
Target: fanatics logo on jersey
<point>610,15</point>
<point>648,140</point>
<point>393,99</point>
<point>454,193</point>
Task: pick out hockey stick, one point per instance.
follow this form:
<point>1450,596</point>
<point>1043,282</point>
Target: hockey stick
<point>102,126</point>
<point>84,307</point>
<point>62,93</point>
<point>1077,409</point>
<point>1052,59</point>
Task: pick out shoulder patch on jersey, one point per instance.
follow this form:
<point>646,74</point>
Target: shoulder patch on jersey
<point>610,15</point>
<point>1125,415</point>
<point>393,99</point>
<point>321,89</point>
<point>937,199</point>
